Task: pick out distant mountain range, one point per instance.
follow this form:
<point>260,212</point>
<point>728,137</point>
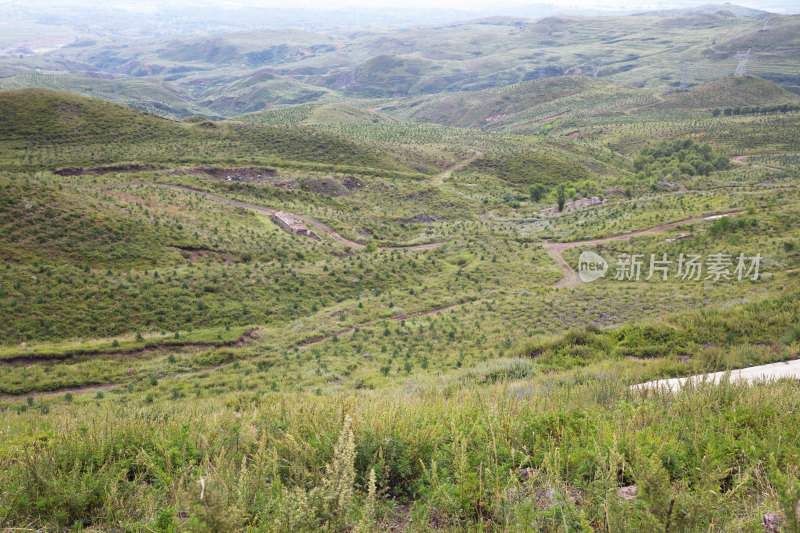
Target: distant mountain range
<point>222,75</point>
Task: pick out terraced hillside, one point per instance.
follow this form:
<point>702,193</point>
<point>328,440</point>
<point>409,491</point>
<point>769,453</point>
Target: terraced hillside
<point>430,362</point>
<point>501,228</point>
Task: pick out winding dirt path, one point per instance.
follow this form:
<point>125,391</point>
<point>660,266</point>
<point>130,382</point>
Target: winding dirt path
<point>88,388</point>
<point>571,279</point>
<point>323,228</point>
<point>744,158</point>
<point>456,166</point>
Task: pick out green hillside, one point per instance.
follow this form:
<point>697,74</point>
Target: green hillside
<point>99,132</point>
<point>259,91</point>
<point>32,113</point>
<point>407,284</point>
<point>729,92</point>
<point>148,95</point>
<point>317,114</point>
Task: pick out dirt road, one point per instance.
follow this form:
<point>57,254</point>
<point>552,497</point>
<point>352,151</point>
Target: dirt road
<point>322,228</point>
<point>744,158</point>
<point>571,279</point>
<point>790,369</point>
<point>457,166</point>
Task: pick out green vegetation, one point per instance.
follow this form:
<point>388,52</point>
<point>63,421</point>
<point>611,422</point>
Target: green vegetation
<point>173,360</point>
<point>676,159</point>
<point>756,110</point>
<point>527,169</point>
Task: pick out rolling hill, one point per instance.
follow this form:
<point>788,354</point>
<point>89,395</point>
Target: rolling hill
<point>234,73</point>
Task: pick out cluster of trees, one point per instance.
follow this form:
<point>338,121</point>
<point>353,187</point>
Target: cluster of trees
<point>671,159</point>
<point>564,191</point>
<point>756,110</point>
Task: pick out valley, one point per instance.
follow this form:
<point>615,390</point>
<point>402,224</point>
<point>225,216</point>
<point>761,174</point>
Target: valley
<point>175,359</point>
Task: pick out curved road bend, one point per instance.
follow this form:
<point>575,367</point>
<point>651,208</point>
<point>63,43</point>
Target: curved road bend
<point>308,220</point>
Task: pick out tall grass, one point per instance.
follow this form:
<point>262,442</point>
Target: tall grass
<point>549,451</point>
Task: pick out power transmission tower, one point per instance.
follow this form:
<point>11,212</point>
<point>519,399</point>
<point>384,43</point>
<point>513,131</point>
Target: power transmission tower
<point>741,68</point>
<point>542,70</point>
<point>683,75</point>
<point>766,21</point>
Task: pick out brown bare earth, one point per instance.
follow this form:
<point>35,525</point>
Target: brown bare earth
<point>551,117</point>
<point>571,279</point>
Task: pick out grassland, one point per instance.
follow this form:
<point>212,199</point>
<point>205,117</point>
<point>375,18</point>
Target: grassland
<point>174,361</point>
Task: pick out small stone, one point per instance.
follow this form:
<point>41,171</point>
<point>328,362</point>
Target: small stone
<point>367,356</point>
<point>628,493</point>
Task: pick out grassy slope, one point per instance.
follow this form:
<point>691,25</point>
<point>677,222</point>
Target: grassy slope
<point>90,126</point>
<point>509,407</point>
<point>153,96</point>
<point>339,113</point>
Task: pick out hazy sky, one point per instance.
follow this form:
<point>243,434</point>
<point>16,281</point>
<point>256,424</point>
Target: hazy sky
<point>490,5</point>
<point>471,5</point>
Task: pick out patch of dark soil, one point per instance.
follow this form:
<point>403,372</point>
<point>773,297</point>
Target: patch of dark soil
<point>243,174</point>
<point>352,183</point>
<point>194,254</point>
<point>332,186</point>
<point>320,338</point>
<point>94,171</point>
